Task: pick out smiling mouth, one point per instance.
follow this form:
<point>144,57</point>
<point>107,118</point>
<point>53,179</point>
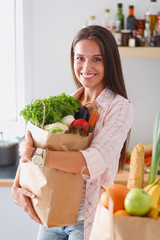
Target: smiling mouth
<point>88,75</point>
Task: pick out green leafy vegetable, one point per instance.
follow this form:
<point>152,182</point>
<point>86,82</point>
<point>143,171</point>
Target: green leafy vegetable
<point>56,107</point>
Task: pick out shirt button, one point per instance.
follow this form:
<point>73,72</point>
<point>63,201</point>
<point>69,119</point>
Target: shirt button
<point>91,184</point>
<point>89,203</point>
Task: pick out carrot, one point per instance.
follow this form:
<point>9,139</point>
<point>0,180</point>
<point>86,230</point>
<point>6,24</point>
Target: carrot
<point>93,118</point>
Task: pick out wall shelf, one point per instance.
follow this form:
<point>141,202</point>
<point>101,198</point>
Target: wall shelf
<point>139,52</point>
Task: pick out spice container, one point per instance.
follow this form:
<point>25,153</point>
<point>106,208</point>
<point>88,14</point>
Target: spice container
<point>140,25</point>
<point>126,33</point>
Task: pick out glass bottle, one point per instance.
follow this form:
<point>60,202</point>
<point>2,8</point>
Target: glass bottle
<point>147,34</point>
<point>131,20</point>
<point>118,33</point>
<point>157,27</point>
<point>155,39</point>
<point>151,14</point>
<point>106,17</point>
<point>92,20</point>
<point>119,15</point>
<point>112,28</point>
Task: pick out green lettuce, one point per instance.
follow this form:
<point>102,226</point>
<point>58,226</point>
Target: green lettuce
<point>56,107</point>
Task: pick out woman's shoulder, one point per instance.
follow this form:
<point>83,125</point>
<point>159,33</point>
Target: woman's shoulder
<point>108,98</point>
<point>78,92</point>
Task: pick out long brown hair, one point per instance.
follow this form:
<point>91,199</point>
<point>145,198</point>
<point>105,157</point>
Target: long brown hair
<point>113,75</point>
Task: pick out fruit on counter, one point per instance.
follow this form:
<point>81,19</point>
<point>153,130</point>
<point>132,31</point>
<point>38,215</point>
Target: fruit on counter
<point>117,192</point>
<point>154,192</point>
<point>148,187</point>
<point>82,113</point>
<point>136,174</point>
<point>67,120</point>
<point>137,202</point>
<point>152,213</point>
<point>122,212</point>
<point>80,122</point>
<point>156,150</point>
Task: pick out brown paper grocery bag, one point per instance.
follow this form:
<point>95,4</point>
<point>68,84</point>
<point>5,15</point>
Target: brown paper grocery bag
<point>107,226</point>
<point>58,193</point>
<point>52,141</point>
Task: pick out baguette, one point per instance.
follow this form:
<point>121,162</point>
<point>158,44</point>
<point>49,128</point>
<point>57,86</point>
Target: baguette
<point>136,174</point>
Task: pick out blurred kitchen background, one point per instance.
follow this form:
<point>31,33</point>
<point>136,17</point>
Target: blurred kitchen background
<point>36,36</point>
<point>35,59</point>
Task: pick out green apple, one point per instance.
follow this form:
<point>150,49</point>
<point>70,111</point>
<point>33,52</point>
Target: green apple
<point>137,202</point>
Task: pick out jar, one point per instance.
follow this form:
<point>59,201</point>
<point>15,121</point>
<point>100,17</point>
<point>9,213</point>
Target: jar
<point>126,33</point>
<point>140,25</point>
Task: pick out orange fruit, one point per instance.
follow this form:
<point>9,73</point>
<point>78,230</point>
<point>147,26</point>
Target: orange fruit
<point>122,212</point>
<point>118,193</point>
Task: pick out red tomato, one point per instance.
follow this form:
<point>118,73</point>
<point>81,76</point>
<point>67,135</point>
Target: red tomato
<point>80,122</point>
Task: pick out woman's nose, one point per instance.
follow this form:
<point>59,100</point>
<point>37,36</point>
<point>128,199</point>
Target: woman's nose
<point>86,65</point>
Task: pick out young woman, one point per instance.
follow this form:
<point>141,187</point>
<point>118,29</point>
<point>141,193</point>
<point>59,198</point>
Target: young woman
<point>97,71</point>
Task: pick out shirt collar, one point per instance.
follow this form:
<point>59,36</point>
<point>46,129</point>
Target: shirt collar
<point>100,100</point>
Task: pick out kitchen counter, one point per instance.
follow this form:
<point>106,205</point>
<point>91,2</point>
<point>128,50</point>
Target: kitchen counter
<point>7,175</point>
<point>122,178</point>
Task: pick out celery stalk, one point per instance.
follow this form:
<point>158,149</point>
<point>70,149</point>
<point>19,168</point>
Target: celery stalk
<point>155,151</point>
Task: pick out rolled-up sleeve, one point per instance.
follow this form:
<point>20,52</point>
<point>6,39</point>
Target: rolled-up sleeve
<point>110,135</point>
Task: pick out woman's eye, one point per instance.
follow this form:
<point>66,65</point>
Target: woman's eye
<point>97,59</point>
<point>79,58</point>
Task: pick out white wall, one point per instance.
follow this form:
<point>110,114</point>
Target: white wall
<point>49,27</point>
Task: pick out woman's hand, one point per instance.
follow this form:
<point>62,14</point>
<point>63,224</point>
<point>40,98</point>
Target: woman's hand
<point>22,197</point>
<point>26,147</point>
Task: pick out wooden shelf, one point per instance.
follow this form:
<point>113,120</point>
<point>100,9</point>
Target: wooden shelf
<point>139,52</point>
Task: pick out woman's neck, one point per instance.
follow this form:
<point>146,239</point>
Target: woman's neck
<point>90,95</point>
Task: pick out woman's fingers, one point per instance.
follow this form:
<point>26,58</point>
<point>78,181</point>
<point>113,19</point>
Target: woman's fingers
<point>30,211</point>
<point>29,137</point>
<point>27,193</point>
<point>27,205</point>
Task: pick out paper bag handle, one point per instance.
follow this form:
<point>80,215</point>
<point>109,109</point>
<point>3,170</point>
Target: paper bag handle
<point>43,111</point>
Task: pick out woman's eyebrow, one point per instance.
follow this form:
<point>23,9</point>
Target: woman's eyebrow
<point>95,55</point>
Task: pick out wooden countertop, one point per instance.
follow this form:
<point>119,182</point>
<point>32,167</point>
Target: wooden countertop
<point>6,182</point>
<point>121,178</point>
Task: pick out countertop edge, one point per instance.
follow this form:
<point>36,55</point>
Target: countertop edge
<point>6,182</point>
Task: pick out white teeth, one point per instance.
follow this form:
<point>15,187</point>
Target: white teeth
<point>88,76</point>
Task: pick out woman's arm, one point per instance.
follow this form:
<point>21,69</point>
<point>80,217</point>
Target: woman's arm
<point>69,161</point>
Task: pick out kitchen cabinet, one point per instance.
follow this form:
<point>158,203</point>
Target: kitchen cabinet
<point>15,223</point>
<point>139,52</point>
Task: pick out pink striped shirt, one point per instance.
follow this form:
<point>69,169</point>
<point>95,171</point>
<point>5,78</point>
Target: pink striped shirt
<point>102,157</point>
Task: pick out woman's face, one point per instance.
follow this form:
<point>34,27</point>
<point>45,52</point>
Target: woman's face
<point>88,64</point>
